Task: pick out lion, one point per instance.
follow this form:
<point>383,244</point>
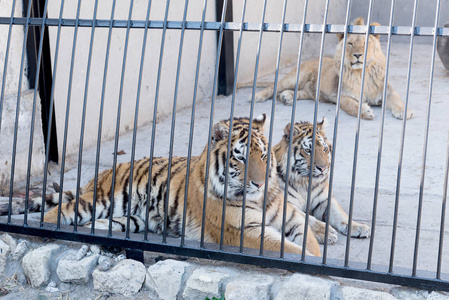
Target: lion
<point>351,81</point>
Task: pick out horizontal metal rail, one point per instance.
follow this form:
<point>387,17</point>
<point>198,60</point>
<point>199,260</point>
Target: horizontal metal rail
<point>232,26</point>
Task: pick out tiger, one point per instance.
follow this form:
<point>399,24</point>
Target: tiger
<point>157,199</point>
<point>298,179</point>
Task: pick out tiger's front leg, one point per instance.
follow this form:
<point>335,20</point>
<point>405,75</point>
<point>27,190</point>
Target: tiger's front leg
<point>272,233</point>
<point>319,230</point>
<point>339,219</point>
<point>272,240</point>
<point>294,229</point>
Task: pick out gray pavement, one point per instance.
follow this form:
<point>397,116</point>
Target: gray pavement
<point>410,179</point>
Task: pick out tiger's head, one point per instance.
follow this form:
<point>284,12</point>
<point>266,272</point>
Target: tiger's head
<point>301,153</point>
<point>256,164</point>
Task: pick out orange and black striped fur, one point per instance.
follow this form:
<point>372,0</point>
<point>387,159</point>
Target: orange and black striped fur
<point>298,181</point>
<point>221,133</point>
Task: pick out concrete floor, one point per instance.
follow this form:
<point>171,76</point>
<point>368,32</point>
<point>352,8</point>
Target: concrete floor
<point>366,163</point>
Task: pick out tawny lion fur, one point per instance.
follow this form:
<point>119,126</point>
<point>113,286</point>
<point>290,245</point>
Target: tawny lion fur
<point>351,81</point>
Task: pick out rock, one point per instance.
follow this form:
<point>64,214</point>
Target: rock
<point>51,287</point>
<point>437,296</point>
<point>120,257</point>
<point>4,248</point>
<point>104,263</point>
<point>126,278</point>
<point>4,251</point>
<point>300,286</point>
<point>10,241</point>
<point>249,287</point>
<point>204,282</point>
<point>20,250</point>
<point>36,264</point>
<point>81,252</point>
<point>3,266</point>
<point>443,49</point>
<point>352,293</point>
<point>405,293</point>
<point>95,249</point>
<point>73,271</point>
<point>66,287</point>
<point>164,278</point>
<point>20,277</point>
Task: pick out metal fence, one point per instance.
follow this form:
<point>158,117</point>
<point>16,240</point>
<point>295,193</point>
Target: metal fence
<point>136,243</point>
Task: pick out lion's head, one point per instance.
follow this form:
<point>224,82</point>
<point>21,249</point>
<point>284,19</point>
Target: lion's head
<point>355,47</point>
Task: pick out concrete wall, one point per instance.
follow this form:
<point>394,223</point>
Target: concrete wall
<point>270,41</point>
<point>267,65</point>
<point>168,74</point>
<point>23,139</point>
<point>15,51</point>
<point>8,112</point>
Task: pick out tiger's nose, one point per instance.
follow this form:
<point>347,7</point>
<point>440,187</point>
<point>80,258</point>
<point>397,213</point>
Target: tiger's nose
<point>321,168</point>
<point>258,184</point>
<point>357,55</point>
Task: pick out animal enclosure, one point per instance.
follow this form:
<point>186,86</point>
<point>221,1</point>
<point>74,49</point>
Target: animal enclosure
<point>143,86</point>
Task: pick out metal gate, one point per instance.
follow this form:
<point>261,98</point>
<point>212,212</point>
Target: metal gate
<point>136,243</point>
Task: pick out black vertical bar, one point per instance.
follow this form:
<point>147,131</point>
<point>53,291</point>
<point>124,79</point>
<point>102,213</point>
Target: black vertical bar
<point>45,75</point>
<point>226,65</point>
<point>357,136</point>
<point>51,121</point>
<point>16,120</point>
<point>443,213</point>
<point>426,142</point>
<point>192,124</point>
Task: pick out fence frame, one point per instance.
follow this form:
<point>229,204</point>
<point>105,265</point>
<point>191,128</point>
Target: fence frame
<point>135,245</point>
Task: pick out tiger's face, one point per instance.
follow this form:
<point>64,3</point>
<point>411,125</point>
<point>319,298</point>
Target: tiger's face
<point>300,161</point>
<point>257,159</point>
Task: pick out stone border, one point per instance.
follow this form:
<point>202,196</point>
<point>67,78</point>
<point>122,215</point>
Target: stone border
<point>59,268</point>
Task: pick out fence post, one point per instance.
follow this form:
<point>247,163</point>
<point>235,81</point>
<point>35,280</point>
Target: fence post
<point>226,65</point>
<point>45,75</point>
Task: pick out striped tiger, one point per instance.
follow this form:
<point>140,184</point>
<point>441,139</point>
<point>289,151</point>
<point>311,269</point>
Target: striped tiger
<point>256,173</point>
<point>298,181</point>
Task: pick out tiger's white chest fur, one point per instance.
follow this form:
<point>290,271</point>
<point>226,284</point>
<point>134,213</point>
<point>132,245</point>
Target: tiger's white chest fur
<point>297,194</point>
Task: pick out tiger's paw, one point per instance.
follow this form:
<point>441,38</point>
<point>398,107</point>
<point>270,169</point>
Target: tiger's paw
<point>332,236</point>
<point>361,231</point>
<point>319,230</point>
<point>358,230</point>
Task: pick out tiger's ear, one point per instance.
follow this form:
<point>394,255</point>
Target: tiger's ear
<point>359,21</point>
<point>377,36</point>
<point>220,132</point>
<point>287,131</point>
<point>321,125</point>
<point>259,123</point>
